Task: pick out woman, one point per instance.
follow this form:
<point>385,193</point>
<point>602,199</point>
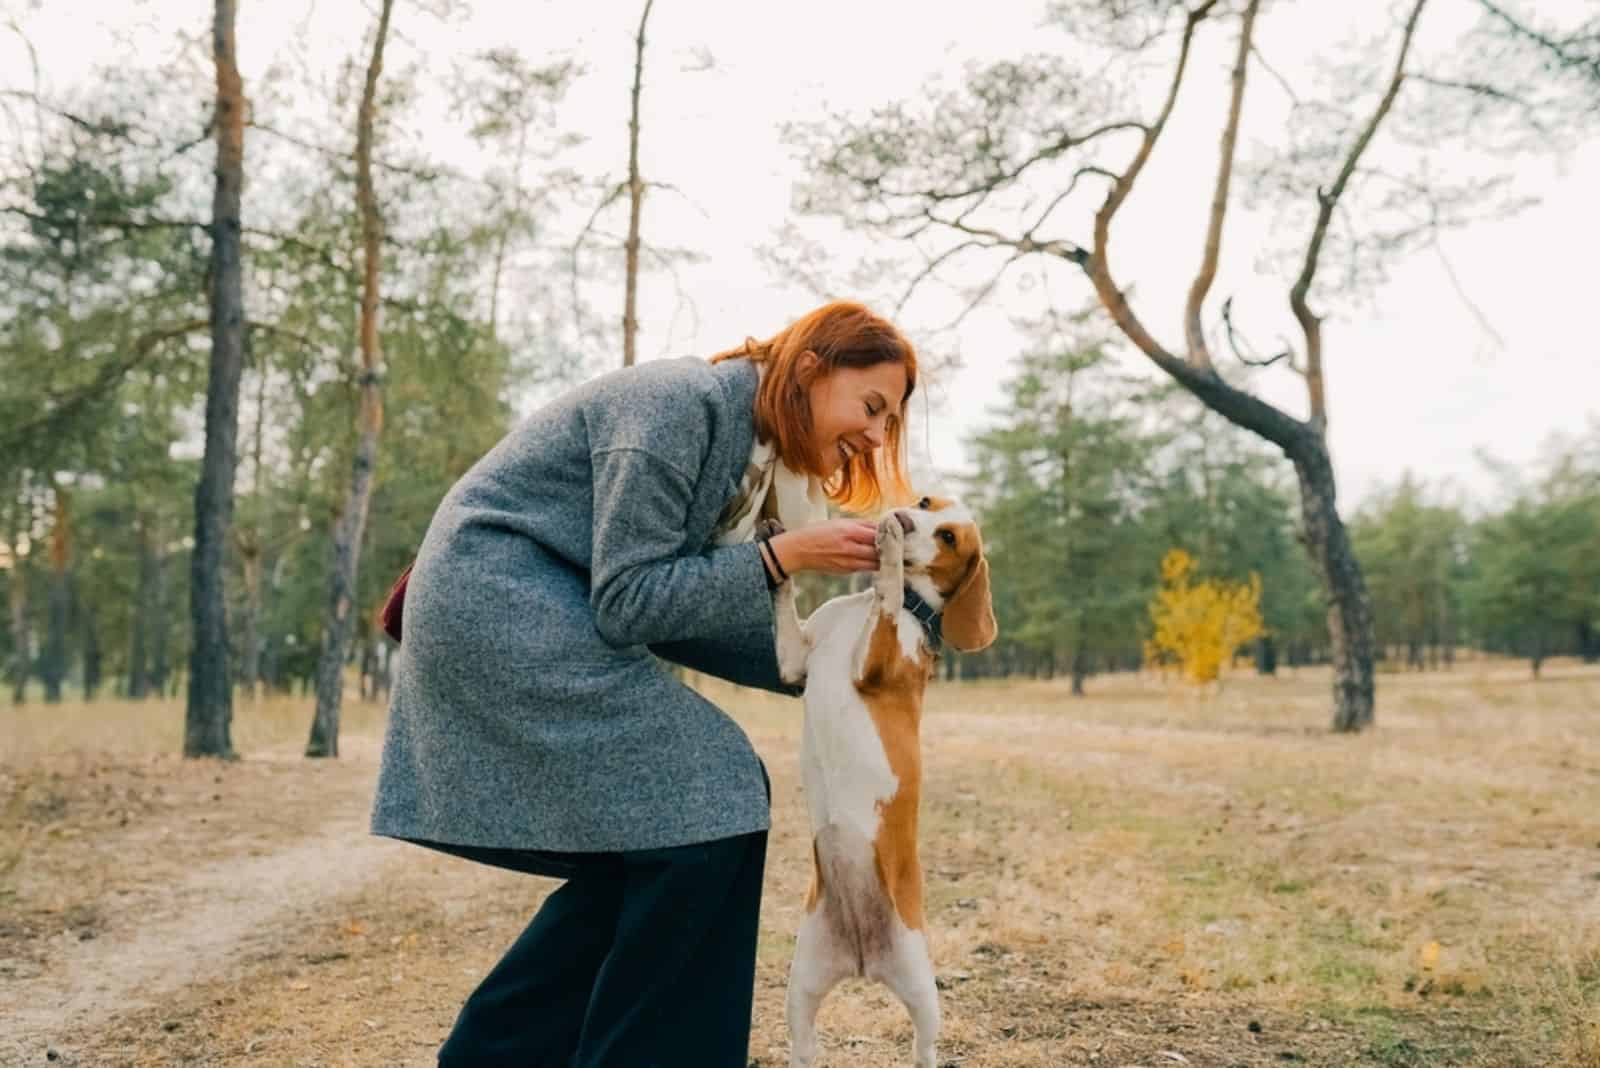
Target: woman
<point>534,726</point>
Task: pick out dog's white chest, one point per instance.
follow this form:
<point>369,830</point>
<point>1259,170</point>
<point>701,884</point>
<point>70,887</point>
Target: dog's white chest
<point>846,771</point>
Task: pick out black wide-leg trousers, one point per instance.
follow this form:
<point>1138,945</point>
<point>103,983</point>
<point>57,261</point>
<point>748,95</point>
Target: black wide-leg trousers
<point>640,959</point>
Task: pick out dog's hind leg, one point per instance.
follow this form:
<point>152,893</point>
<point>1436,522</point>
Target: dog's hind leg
<point>907,970</point>
<point>820,961</point>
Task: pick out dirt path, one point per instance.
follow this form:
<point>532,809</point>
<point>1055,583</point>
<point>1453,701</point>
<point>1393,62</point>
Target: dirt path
<point>202,929</point>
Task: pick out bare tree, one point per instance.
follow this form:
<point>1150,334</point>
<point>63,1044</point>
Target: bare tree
<point>630,299</point>
<point>347,535</point>
<point>634,186</point>
<point>209,718</point>
<point>1020,139</point>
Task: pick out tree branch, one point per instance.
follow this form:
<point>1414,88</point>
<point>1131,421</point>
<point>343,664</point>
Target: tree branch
<point>1310,323</point>
<point>1455,282</point>
<point>58,407</point>
<point>1005,177</point>
<point>932,265</point>
<point>1589,65</point>
<point>1236,405</point>
<point>1530,113</point>
<point>577,247</point>
<point>1233,343</point>
<point>1283,83</point>
<point>1199,355</point>
<point>1098,264</point>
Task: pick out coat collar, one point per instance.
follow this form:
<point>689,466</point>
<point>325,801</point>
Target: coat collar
<point>739,378</point>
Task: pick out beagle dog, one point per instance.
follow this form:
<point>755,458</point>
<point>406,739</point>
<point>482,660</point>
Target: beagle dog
<point>865,660</point>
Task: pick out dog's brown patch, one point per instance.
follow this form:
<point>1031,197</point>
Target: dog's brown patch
<point>891,687</point>
<point>814,893</point>
<point>961,574</point>
<point>951,563</point>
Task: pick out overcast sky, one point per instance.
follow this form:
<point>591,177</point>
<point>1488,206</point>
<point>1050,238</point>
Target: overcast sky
<point>1415,381</point>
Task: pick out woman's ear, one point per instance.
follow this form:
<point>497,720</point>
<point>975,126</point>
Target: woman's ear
<point>806,368</point>
<point>969,622</point>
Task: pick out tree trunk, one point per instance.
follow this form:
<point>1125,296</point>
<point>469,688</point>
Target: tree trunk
<point>386,667</point>
<point>53,662</point>
<point>347,537</point>
<point>209,718</point>
<point>1588,643</point>
<point>1266,656</point>
<point>161,614</point>
<point>84,610</point>
<point>369,670</point>
<point>143,605</point>
<point>250,625</point>
<point>17,596</point>
<point>1350,632</point>
<point>630,300</point>
<point>273,673</point>
<point>1080,670</point>
<point>248,542</point>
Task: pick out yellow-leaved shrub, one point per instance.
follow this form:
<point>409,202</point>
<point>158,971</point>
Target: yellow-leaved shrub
<point>1199,625</point>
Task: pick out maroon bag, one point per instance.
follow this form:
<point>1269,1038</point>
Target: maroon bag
<point>394,607</point>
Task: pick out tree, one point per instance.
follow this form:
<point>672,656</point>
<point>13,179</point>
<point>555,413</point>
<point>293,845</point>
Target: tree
<point>1535,581</point>
<point>1057,482</point>
<point>338,622</point>
<point>1524,597</point>
<point>1413,551</point>
<point>209,718</point>
<point>1022,135</point>
<point>511,107</point>
<point>1217,493</point>
<point>630,299</point>
<point>635,186</point>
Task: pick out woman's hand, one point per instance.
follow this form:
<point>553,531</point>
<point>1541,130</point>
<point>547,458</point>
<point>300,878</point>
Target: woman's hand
<point>835,547</point>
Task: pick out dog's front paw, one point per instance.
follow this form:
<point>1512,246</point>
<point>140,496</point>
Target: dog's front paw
<point>891,577</point>
<point>890,541</point>
<point>792,655</point>
<point>793,647</point>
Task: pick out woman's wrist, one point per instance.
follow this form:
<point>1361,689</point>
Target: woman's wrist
<point>785,556</point>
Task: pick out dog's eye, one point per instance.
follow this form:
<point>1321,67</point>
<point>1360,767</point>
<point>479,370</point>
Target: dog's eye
<point>947,536</point>
<point>925,503</point>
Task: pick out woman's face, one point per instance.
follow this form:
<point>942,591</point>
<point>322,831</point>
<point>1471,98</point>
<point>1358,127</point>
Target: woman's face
<point>850,410</point>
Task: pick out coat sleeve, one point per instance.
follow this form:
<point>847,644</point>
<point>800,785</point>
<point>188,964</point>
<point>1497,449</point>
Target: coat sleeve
<point>746,659</point>
<point>644,587</point>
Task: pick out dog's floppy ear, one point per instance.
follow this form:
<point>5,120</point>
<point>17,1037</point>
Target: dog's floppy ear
<point>969,622</point>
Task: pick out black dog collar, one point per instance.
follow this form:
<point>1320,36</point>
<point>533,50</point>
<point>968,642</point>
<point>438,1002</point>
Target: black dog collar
<point>932,619</point>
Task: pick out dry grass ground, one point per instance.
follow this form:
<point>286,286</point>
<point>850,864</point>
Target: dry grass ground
<point>1135,878</point>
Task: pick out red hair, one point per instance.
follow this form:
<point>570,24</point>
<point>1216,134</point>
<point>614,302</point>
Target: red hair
<point>840,334</point>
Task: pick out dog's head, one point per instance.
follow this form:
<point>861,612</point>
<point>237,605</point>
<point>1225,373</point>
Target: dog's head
<point>944,563</point>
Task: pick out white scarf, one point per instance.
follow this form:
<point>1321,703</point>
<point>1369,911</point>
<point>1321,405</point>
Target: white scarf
<point>796,498</point>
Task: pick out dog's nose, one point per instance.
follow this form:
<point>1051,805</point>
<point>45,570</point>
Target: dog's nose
<point>905,521</point>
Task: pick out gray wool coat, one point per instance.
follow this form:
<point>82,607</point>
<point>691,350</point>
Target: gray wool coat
<point>531,707</point>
